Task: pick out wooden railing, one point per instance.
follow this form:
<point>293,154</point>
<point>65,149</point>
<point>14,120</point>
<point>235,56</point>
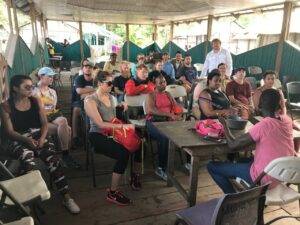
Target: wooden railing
<point>3,79</point>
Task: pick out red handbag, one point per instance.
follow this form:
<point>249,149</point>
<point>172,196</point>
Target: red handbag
<point>126,137</point>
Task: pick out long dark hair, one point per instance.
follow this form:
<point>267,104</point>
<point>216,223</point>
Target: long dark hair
<point>270,100</point>
<point>16,81</point>
<point>101,76</point>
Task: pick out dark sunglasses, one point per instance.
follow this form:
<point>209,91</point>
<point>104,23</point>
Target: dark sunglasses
<point>109,83</point>
<point>87,66</point>
<point>29,87</point>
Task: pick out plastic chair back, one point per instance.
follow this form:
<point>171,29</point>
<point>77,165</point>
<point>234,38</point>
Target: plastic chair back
<point>75,70</point>
<point>286,169</point>
<point>176,91</point>
<point>241,208</point>
<point>254,70</point>
<point>293,91</point>
<point>199,66</point>
<point>135,101</point>
<point>252,82</point>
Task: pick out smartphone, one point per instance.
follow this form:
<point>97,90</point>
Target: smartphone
<point>212,139</point>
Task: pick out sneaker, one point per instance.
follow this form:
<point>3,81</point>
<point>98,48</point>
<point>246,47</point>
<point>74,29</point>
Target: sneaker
<point>70,162</point>
<point>161,173</point>
<point>117,197</point>
<point>76,142</point>
<point>135,181</point>
<point>71,206</point>
<point>188,167</point>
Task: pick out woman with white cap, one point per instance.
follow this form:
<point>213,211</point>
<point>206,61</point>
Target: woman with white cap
<point>57,123</point>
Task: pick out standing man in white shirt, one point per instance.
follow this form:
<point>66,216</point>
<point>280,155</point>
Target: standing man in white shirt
<point>215,57</point>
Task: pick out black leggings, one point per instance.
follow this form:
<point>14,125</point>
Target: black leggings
<point>112,149</point>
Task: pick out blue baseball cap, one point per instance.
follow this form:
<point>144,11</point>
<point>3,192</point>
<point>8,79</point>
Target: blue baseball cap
<point>46,71</point>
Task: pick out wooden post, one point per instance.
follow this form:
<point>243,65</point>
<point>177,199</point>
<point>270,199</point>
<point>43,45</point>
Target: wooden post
<point>46,28</point>
<point>171,31</point>
<point>127,43</point>
<point>35,25</point>
<point>42,27</point>
<point>8,6</point>
<point>287,11</point>
<point>209,29</point>
<point>32,17</point>
<point>15,18</point>
<point>81,40</point>
<point>155,33</point>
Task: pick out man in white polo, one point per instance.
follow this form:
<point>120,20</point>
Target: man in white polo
<point>215,57</point>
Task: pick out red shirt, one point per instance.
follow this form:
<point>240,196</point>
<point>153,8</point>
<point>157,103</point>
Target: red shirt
<point>241,92</point>
<point>132,89</point>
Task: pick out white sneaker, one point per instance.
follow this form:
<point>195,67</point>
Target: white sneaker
<point>161,173</point>
<point>71,206</point>
<point>188,167</point>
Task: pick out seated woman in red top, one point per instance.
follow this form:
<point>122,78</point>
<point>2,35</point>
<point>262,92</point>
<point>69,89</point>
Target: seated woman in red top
<point>159,107</point>
<point>140,84</point>
<point>239,93</point>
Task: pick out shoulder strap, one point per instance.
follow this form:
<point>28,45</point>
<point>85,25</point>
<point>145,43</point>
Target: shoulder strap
<point>210,102</point>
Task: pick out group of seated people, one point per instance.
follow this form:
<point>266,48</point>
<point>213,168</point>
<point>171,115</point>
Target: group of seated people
<point>30,115</point>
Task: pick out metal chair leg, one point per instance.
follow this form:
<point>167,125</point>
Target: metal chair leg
<point>93,166</point>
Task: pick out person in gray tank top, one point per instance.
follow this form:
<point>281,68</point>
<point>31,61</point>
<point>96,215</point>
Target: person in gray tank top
<point>100,107</point>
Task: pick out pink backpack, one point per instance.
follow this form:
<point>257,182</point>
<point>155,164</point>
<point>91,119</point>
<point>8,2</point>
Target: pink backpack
<point>210,128</point>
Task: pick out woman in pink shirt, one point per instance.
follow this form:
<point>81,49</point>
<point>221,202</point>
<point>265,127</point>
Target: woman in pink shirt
<point>273,137</point>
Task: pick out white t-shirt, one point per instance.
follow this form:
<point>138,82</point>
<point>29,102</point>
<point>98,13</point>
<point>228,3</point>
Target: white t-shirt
<point>50,94</point>
<point>213,59</point>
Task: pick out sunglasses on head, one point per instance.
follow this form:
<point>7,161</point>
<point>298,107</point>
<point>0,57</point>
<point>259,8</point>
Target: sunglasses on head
<point>109,83</point>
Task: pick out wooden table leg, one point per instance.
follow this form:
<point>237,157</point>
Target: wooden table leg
<point>171,162</point>
<point>195,161</point>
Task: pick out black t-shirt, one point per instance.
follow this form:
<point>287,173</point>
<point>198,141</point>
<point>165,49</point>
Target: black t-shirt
<point>22,121</point>
<point>120,82</point>
<point>80,82</point>
<point>190,73</point>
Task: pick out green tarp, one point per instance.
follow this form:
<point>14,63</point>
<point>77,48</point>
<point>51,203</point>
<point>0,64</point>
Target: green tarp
<point>71,52</point>
<point>171,48</point>
<point>198,52</point>
<point>264,57</point>
<point>24,61</point>
<point>290,61</point>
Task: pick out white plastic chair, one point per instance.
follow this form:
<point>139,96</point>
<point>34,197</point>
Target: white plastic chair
<point>24,221</point>
<point>286,170</point>
<point>254,70</point>
<point>178,91</point>
<point>136,101</point>
<point>252,81</point>
<point>75,70</point>
<point>33,187</point>
<point>199,66</point>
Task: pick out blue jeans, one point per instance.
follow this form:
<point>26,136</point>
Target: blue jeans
<point>221,172</point>
<point>163,144</point>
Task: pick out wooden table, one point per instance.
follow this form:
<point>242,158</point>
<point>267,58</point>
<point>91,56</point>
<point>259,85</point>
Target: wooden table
<point>181,135</point>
